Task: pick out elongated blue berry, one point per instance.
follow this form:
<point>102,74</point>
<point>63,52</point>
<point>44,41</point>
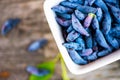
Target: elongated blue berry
<point>37,45</point>
<point>63,23</point>
<point>115,12</point>
<point>87,9</point>
<point>101,4</point>
<point>69,29</point>
<point>80,41</point>
<point>99,14</point>
<point>77,1</point>
<point>100,39</point>
<point>112,41</point>
<point>61,9</point>
<point>88,20</point>
<point>95,23</point>
<point>9,25</point>
<point>37,72</point>
<point>103,53</point>
<point>72,36</point>
<point>92,57</point>
<point>88,39</point>
<point>76,57</point>
<point>78,26</point>
<point>79,15</point>
<point>64,16</point>
<point>73,45</point>
<point>110,1</point>
<point>86,52</point>
<point>69,4</point>
<point>106,24</point>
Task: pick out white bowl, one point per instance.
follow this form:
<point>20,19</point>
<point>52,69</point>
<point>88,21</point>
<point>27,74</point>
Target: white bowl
<point>56,31</point>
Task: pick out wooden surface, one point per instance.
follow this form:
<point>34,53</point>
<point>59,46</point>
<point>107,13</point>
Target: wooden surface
<point>13,54</point>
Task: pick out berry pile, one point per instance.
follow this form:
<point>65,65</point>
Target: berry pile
<point>91,28</point>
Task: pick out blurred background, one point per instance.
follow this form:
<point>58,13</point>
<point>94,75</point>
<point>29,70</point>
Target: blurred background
<point>13,54</point>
